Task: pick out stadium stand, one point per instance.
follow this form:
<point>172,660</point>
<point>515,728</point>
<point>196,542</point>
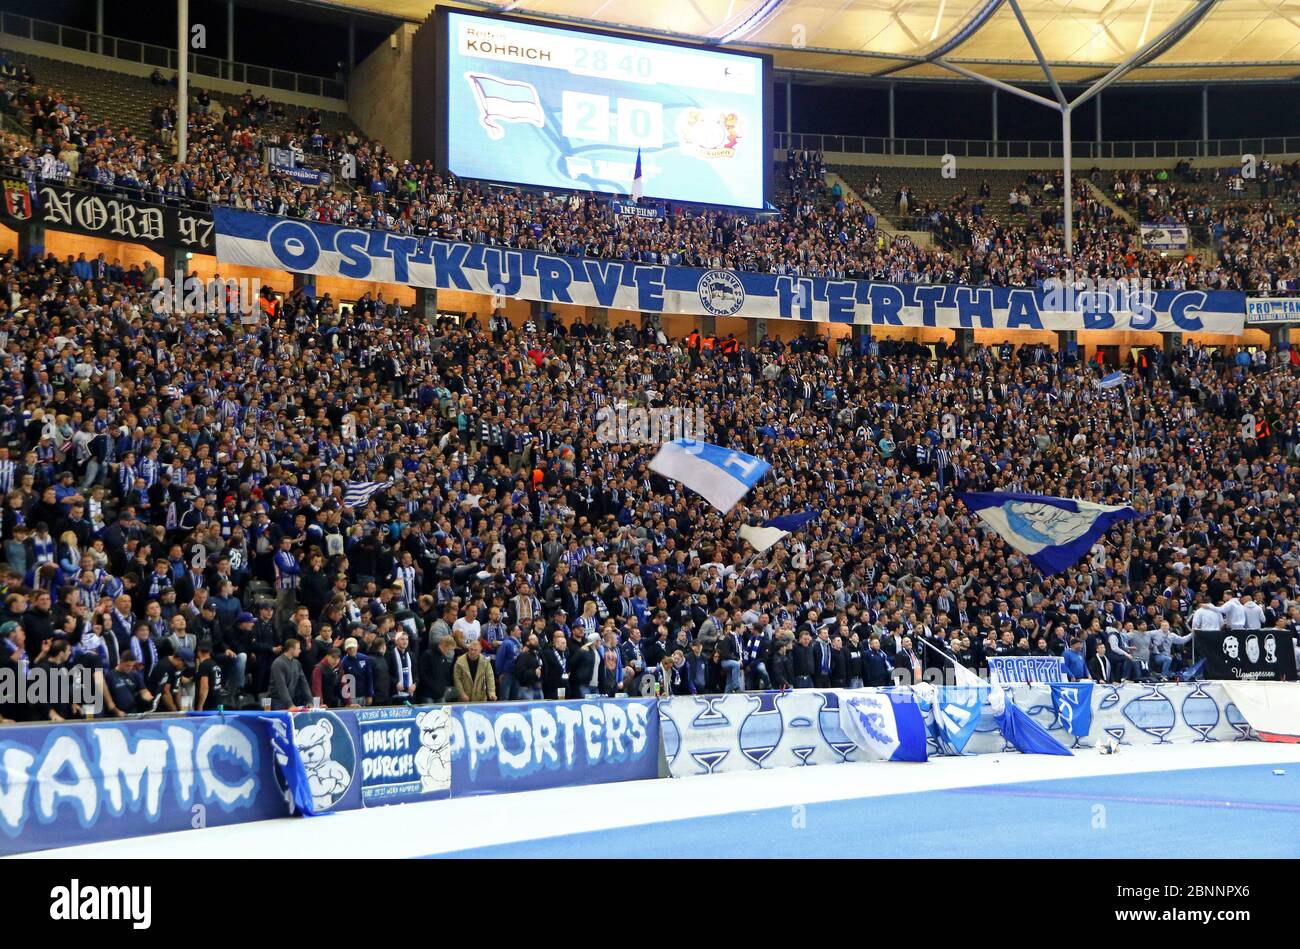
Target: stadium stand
<point>126,101</point>
<point>131,442</point>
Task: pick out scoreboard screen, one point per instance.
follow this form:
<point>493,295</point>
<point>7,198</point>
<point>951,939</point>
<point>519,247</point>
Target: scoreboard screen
<point>564,108</point>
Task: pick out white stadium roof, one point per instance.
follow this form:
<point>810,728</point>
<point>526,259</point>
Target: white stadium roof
<point>1081,41</point>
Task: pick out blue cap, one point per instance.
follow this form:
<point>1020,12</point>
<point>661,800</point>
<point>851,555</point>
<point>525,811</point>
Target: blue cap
<point>245,618</point>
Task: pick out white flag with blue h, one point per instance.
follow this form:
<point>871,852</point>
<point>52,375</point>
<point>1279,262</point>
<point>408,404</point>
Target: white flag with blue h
<point>722,476</point>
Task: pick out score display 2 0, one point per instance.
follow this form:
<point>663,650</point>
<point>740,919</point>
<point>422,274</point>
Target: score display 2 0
<point>631,123</point>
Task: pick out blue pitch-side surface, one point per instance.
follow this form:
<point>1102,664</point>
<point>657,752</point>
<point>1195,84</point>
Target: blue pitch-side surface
<point>1245,811</point>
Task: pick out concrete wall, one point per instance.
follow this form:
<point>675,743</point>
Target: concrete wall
<point>379,92</point>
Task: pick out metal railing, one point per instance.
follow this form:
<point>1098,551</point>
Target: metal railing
<point>1228,148</point>
<point>163,57</point>
<point>9,169</point>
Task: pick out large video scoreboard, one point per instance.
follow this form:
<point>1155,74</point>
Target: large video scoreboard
<point>567,108</point>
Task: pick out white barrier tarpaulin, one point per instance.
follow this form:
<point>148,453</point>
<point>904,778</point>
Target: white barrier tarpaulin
<point>1272,708</point>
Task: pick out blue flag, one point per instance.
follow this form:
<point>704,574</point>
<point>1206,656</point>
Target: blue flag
<point>721,475</point>
<point>1113,381</point>
<point>792,522</point>
<point>957,713</point>
<point>773,531</point>
<point>1073,704</point>
<point>885,722</point>
<point>1022,732</point>
<point>288,759</point>
<point>1054,532</point>
<point>279,726</point>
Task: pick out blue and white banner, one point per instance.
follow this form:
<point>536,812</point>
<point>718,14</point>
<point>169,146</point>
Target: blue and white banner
<point>257,240</point>
<point>713,734</point>
<point>1073,703</point>
<point>82,782</point>
<point>957,712</point>
<point>340,759</point>
<point>330,751</point>
<point>885,723</point>
<point>1272,310</point>
<point>405,754</point>
<point>1164,237</point>
<point>358,493</point>
<point>1026,670</point>
<point>722,476</point>
<point>306,176</point>
<point>1054,532</point>
<point>645,213</point>
<point>523,746</point>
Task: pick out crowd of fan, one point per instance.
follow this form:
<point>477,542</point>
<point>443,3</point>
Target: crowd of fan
<point>1257,239</point>
<point>1029,249</point>
<point>816,233</point>
<point>186,511</point>
<point>1188,195</point>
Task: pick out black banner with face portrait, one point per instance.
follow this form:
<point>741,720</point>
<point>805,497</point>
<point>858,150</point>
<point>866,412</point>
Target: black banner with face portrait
<point>1263,654</point>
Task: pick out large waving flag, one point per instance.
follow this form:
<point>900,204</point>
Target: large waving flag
<point>885,722</point>
<point>772,532</point>
<point>358,493</point>
<point>1054,532</point>
<point>722,476</point>
<point>504,100</point>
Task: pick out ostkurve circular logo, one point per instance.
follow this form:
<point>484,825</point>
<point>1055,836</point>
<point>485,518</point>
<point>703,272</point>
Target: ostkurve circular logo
<point>721,293</point>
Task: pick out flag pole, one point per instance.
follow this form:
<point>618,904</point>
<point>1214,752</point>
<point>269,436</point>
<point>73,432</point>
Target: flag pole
<point>940,653</point>
<point>1132,482</point>
<point>1132,446</point>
